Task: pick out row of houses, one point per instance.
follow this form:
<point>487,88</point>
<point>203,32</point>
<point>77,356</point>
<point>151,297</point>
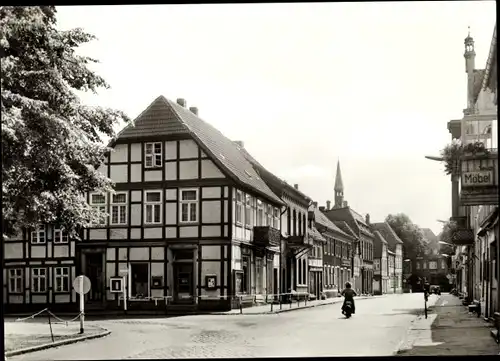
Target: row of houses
<point>197,223</point>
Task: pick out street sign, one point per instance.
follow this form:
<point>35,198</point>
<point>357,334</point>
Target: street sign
<point>81,285</point>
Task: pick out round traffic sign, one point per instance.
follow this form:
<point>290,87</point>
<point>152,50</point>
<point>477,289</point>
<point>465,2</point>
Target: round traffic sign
<point>81,284</point>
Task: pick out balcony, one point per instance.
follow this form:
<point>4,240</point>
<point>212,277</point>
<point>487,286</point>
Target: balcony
<point>463,237</point>
<point>300,241</point>
<point>266,236</point>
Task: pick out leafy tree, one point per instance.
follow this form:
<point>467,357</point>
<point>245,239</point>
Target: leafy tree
<point>445,236</point>
<point>51,143</point>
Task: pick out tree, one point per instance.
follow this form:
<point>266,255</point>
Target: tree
<point>445,236</point>
<point>51,143</point>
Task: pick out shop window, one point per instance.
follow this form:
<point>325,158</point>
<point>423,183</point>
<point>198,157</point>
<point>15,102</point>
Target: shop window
<point>140,280</point>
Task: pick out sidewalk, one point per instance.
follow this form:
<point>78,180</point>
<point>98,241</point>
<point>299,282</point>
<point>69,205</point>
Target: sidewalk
<point>449,331</point>
<point>286,307</point>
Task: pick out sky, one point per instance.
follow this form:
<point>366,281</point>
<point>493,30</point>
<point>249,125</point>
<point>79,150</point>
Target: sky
<point>306,84</point>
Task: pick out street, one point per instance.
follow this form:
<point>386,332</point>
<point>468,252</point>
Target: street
<point>377,329</point>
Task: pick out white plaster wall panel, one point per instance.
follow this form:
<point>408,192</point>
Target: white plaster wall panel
<point>226,211</point>
<point>111,254</point>
<point>210,252</point>
<point>170,213</point>
<point>139,253</point>
<point>119,173</point>
<point>211,211</point>
<point>157,293</point>
<point>211,192</point>
<point>158,253</point>
<point>135,214</point>
<point>171,194</point>
<point>171,232</point>
<point>61,251</point>
<point>62,298</point>
<point>226,231</point>
<point>188,169</point>
<point>136,196</point>
<point>97,234</point>
<point>110,272</point>
<point>13,250</point>
<point>157,269</point>
<point>38,252</point>
<point>203,155</point>
<point>171,150</point>
<point>188,149</point>
<point>171,170</point>
<point>209,294</point>
<point>153,175</point>
<point>135,152</point>
<point>118,233</point>
<point>49,250</point>
<point>185,232</point>
<point>122,267</point>
<point>103,169</point>
<point>136,172</point>
<point>119,153</point>
<point>237,232</point>
<point>150,233</point>
<point>15,298</point>
<point>135,233</point>
<point>210,268</point>
<point>39,299</point>
<point>122,254</point>
<point>210,170</point>
<point>210,231</point>
<point>236,252</point>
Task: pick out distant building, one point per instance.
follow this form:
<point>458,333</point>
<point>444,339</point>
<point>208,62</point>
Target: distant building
<point>381,280</point>
<point>432,266</point>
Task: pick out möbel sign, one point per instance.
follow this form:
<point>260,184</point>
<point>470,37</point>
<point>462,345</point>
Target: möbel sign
<point>479,178</point>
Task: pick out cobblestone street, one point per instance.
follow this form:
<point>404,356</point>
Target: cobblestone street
<point>380,323</point>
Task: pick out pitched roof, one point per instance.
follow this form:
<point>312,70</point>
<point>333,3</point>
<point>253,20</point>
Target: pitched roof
<point>165,117</point>
<point>339,185</point>
<point>377,244</point>
<point>325,222</point>
<point>345,227</point>
<point>388,233</point>
<point>316,235</point>
<point>429,235</point>
<point>490,72</point>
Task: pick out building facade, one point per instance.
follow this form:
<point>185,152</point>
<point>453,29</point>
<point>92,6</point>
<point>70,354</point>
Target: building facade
<point>316,256</point>
<point>381,281</point>
<point>395,246</point>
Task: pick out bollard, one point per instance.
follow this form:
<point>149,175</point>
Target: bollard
<point>50,326</point>
<point>305,300</point>
<point>290,299</point>
<point>272,301</point>
<point>279,298</point>
<point>241,308</point>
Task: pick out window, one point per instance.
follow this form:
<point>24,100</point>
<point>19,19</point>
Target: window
<point>433,265</point>
<point>119,208</point>
<point>189,205</point>
<point>424,265</point>
<point>294,222</point>
<point>153,155</point>
<point>276,218</point>
<point>98,203</point>
<point>260,213</point>
<point>38,280</point>
<point>376,265</point>
<point>269,216</point>
<point>417,265</point>
<point>299,272</point>
<point>60,236</point>
<point>443,264</point>
<point>61,279</point>
<point>248,210</point>
<point>239,207</point>
<point>152,207</point>
<point>38,235</point>
<point>16,280</point>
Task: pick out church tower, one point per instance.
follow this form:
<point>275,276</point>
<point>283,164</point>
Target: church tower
<point>470,65</point>
<point>338,188</point>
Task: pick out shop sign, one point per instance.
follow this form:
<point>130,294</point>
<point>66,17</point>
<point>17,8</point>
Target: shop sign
<point>477,179</point>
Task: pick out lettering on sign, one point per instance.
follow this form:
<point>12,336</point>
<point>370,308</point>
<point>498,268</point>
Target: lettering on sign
<point>480,178</point>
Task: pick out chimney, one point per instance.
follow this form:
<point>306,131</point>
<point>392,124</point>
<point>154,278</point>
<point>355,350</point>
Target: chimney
<point>239,143</point>
<point>194,110</point>
<point>296,186</point>
<point>328,203</point>
<point>367,218</point>
<point>344,204</point>
<point>315,204</point>
<point>181,102</point>
<point>322,208</point>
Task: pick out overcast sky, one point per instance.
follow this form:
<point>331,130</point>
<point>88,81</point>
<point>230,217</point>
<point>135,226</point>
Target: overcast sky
<point>371,84</point>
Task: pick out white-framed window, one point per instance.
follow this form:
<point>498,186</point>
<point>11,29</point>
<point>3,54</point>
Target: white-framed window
<point>239,207</point>
<point>433,265</point>
<point>424,265</point>
<point>248,210</point>
<point>39,280</point>
<point>119,208</point>
<point>60,236</point>
<point>61,279</point>
<point>443,264</point>
<point>153,155</point>
<point>152,207</point>
<point>260,213</point>
<point>38,235</point>
<point>189,206</point>
<point>276,218</point>
<point>15,280</point>
<point>99,202</point>
<point>269,216</point>
<point>376,265</point>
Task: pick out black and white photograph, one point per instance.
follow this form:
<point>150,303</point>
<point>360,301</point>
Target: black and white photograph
<point>250,180</point>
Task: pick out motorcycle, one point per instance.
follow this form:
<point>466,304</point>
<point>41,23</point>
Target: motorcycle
<point>347,310</point>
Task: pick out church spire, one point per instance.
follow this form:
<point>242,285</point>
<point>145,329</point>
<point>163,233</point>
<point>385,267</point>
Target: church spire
<point>338,188</point>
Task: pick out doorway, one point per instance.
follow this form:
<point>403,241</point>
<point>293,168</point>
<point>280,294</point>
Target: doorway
<point>183,272</point>
<point>94,271</point>
<point>139,273</point>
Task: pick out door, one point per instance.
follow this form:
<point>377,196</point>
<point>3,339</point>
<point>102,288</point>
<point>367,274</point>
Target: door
<point>275,280</point>
<point>94,272</point>
<point>183,282</point>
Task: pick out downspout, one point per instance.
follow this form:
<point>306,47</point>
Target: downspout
<point>281,256</point>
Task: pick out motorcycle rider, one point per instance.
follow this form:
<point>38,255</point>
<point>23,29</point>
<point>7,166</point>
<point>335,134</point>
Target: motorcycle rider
<point>348,294</point>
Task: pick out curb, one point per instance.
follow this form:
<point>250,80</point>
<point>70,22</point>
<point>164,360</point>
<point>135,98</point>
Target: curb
<point>291,309</point>
<point>55,344</point>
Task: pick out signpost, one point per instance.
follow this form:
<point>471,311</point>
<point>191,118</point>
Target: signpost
<point>81,285</point>
<point>124,273</point>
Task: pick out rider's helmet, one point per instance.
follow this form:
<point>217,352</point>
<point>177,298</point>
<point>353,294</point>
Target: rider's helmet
<point>347,285</point>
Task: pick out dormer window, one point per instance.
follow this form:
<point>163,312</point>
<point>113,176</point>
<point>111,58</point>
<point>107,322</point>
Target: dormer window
<point>153,155</point>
